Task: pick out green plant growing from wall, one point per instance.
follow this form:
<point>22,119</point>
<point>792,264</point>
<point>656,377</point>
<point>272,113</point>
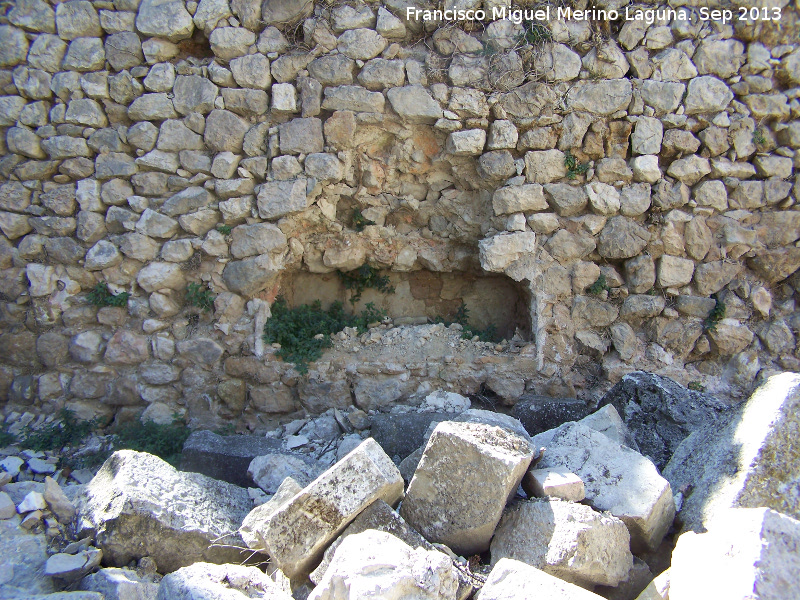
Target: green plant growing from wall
<point>574,168</point>
<point>100,295</point>
<point>65,431</point>
<point>305,331</point>
<point>696,386</point>
<point>360,221</point>
<point>163,440</point>
<point>534,33</point>
<point>716,315</point>
<point>199,296</point>
<point>758,137</point>
<point>461,316</point>
<point>599,286</point>
<point>224,229</point>
<point>362,278</point>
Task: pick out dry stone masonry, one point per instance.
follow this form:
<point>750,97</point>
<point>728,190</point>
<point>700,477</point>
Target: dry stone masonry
<point>613,195</point>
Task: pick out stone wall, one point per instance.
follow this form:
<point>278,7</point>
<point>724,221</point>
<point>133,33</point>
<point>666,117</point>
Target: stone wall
<point>151,144</point>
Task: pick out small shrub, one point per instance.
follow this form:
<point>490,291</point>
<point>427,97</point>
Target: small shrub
<point>715,316</point>
<point>304,331</point>
<point>100,295</point>
<point>66,431</point>
<point>696,386</point>
<point>6,438</point>
<point>573,167</point>
<point>758,137</point>
<point>534,33</point>
<point>461,316</point>
<point>224,229</point>
<point>599,286</point>
<point>165,441</point>
<point>199,296</point>
<point>362,278</point>
<point>360,221</point>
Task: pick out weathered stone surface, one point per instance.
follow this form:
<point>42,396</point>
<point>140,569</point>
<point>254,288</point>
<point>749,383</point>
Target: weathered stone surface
<point>466,143</point>
<point>745,462</point>
<point>565,539</point>
<point>279,12</point>
<point>120,584</point>
<point>353,97</point>
<point>567,200</point>
<point>747,553</point>
<point>660,414</point>
<point>500,251</point>
<point>251,275</point>
<point>376,562</point>
<point>268,471</point>
<point>617,479</point>
<point>514,579</point>
<point>775,265</point>
<point>167,19</point>
<point>295,534</point>
<point>519,198</point>
<point>213,581</point>
<point>225,131</point>
<point>24,556</point>
<point>600,97</point>
<point>707,94</point>
<point>125,503</point>
<point>542,413</point>
<point>224,457</point>
<point>622,238</point>
<point>545,166</point>
<point>278,198</point>
<point>460,457</point>
<point>414,103</point>
<point>301,136</point>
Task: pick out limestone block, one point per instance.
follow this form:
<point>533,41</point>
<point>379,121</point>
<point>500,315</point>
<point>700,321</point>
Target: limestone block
<point>377,564</point>
<point>499,251</point>
<point>556,483</point>
<point>748,553</point>
<point>210,581</point>
<point>466,475</point>
<point>565,539</point>
<point>749,462</point>
<point>295,534</point>
<point>511,579</point>
<point>617,479</point>
<point>136,494</point>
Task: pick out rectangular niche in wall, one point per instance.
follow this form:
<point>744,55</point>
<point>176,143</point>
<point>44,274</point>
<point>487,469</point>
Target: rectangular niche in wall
<point>490,299</point>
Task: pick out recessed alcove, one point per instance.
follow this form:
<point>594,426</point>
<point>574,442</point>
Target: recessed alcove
<point>490,299</point>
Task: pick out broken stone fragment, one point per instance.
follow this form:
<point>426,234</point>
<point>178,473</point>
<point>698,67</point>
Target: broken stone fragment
<point>377,564</point>
<point>71,567</point>
<point>297,532</point>
<point>565,539</point>
<point>467,473</point>
<point>556,483</point>
<point>57,501</point>
<point>617,479</point>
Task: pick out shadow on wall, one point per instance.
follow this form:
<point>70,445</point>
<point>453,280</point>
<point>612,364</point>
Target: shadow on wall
<point>490,300</point>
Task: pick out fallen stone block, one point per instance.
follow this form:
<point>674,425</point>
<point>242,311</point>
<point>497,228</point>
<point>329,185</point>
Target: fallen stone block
<point>138,505</point>
<point>378,565</point>
<point>119,584</point>
<point>296,533</point>
<point>747,554</point>
<point>269,471</point>
<point>225,457</point>
<point>380,516</point>
<point>607,421</point>
<point>616,478</point>
<point>565,539</point>
<point>401,434</point>
<point>511,580</point>
<point>219,582</point>
<point>639,577</point>
<point>72,567</point>
<point>541,413</point>
<point>660,413</point>
<point>556,483</point>
<point>23,555</point>
<point>467,474</point>
<point>57,501</point>
<point>750,461</point>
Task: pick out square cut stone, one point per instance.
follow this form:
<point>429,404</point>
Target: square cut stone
<point>558,483</point>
